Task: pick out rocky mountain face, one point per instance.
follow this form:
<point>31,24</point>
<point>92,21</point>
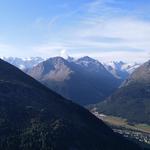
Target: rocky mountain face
<point>132,100</point>
<point>32,117</point>
<point>85,81</point>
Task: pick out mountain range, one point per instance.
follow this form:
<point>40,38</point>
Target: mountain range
<point>32,117</point>
<point>132,100</point>
<point>85,80</point>
<point>119,69</point>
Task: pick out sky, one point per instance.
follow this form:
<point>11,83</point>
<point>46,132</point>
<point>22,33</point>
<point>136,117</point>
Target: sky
<point>109,30</point>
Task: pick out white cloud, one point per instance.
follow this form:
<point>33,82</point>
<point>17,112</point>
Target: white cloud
<point>117,56</point>
<point>122,32</point>
<point>49,50</point>
<point>64,53</point>
<point>124,28</point>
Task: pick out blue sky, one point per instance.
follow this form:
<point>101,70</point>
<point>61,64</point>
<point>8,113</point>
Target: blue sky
<point>104,29</point>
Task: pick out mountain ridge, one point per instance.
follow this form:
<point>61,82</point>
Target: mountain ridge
<point>85,81</point>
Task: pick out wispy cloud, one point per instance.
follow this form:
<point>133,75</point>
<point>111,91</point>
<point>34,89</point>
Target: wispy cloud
<point>98,27</point>
<point>106,30</point>
<point>45,23</point>
<point>48,50</point>
<point>126,56</point>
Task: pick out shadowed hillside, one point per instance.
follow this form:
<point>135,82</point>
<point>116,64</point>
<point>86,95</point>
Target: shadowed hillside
<point>34,118</point>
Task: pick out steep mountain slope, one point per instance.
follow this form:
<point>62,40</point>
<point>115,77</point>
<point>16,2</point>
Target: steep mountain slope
<point>34,118</point>
<point>74,80</point>
<point>25,63</point>
<point>132,100</point>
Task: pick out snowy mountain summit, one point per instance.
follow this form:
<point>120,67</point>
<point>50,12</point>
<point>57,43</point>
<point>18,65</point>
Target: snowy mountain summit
<point>121,69</point>
<point>23,63</point>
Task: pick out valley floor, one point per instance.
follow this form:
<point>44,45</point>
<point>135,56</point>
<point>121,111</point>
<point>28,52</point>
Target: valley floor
<point>139,133</point>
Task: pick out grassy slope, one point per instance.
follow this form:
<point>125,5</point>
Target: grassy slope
<point>117,121</point>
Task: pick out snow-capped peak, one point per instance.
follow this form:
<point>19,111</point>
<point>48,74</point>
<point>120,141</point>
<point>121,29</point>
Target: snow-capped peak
<point>121,69</point>
<point>23,63</point>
